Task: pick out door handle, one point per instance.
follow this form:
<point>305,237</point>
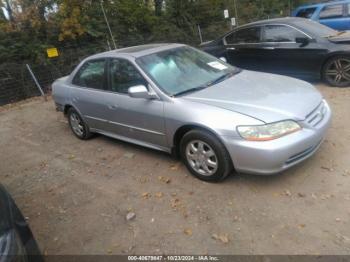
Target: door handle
<point>113,107</point>
<point>268,48</point>
<point>231,48</point>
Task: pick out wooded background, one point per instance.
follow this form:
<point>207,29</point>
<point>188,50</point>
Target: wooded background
<point>77,28</point>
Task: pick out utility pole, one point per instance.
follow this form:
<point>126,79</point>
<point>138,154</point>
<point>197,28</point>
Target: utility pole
<point>109,28</point>
<point>236,13</point>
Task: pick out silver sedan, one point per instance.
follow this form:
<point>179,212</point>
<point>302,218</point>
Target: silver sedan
<point>177,99</point>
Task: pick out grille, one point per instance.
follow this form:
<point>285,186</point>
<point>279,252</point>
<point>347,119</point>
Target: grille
<point>317,115</point>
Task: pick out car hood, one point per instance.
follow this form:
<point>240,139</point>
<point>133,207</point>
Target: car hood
<point>266,97</point>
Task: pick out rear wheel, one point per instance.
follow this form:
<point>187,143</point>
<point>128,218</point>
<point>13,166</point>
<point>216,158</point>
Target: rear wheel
<point>336,71</point>
<point>205,156</point>
<point>77,124</point>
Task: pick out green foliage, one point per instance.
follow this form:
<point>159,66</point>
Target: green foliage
<point>78,26</point>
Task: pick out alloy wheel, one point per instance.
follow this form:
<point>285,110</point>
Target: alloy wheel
<point>338,72</point>
<point>77,124</point>
<point>202,158</point>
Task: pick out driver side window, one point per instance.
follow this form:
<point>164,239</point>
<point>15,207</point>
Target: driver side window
<point>280,33</point>
<point>123,75</point>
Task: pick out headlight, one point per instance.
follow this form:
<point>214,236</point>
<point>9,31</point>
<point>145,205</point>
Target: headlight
<point>269,131</point>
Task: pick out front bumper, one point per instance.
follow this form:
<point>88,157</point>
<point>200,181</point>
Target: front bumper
<point>275,156</point>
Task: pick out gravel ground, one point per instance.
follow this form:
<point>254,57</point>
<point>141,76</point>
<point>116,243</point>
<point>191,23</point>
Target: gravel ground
<point>76,194</point>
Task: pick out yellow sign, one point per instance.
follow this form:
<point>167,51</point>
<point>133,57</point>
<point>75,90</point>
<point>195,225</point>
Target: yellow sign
<point>52,52</point>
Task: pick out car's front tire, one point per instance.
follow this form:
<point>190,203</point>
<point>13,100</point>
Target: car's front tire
<point>205,156</point>
<point>79,128</point>
<point>336,71</point>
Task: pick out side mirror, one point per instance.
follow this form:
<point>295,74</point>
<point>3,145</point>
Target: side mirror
<point>302,40</point>
<point>140,91</point>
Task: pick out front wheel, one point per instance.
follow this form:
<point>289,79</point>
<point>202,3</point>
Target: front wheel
<point>205,156</point>
<point>336,71</point>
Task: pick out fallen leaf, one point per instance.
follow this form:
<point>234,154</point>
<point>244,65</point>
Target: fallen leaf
<point>175,167</point>
<point>301,195</point>
<point>222,237</point>
<point>146,195</point>
<point>159,194</point>
<point>164,179</point>
<point>287,193</point>
<point>175,203</point>
<point>188,231</point>
<point>129,155</point>
<point>327,168</point>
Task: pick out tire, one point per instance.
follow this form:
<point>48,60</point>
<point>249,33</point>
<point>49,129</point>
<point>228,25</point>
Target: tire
<point>79,128</point>
<point>336,71</point>
<point>202,165</point>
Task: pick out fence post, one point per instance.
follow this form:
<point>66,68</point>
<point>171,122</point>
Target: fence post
<point>36,82</point>
<point>200,33</point>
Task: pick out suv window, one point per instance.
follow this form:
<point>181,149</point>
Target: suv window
<point>91,74</point>
<point>123,75</point>
<point>306,13</point>
<point>280,33</point>
<point>244,36</point>
<point>332,11</point>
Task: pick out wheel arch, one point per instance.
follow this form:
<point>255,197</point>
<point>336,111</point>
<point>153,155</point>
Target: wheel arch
<point>184,129</point>
<point>66,108</point>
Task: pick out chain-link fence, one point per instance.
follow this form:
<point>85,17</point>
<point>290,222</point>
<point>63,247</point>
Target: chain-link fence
<point>17,84</point>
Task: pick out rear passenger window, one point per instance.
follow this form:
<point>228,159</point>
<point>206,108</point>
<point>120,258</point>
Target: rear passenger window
<point>91,74</point>
<point>244,36</point>
<point>306,13</point>
<point>332,11</point>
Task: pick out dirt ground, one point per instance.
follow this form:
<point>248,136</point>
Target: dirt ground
<point>76,194</point>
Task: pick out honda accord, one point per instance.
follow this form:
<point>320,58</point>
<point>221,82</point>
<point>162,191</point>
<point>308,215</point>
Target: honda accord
<point>175,98</point>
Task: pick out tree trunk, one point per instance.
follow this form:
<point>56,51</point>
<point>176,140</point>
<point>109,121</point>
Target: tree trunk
<point>9,10</point>
<point>158,7</point>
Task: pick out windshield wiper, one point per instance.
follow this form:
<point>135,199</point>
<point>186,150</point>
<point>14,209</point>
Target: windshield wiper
<point>190,90</point>
<point>211,83</point>
<point>221,78</point>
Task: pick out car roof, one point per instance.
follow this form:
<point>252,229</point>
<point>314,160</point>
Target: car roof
<point>323,4</point>
<point>137,51</point>
<point>284,20</point>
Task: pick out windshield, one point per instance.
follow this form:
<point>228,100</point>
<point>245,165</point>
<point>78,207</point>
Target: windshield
<point>183,69</point>
<point>316,28</point>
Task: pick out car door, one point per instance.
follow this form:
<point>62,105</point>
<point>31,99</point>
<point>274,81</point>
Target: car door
<point>134,118</point>
<point>283,55</point>
<point>334,16</point>
<point>88,93</point>
<point>243,47</point>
